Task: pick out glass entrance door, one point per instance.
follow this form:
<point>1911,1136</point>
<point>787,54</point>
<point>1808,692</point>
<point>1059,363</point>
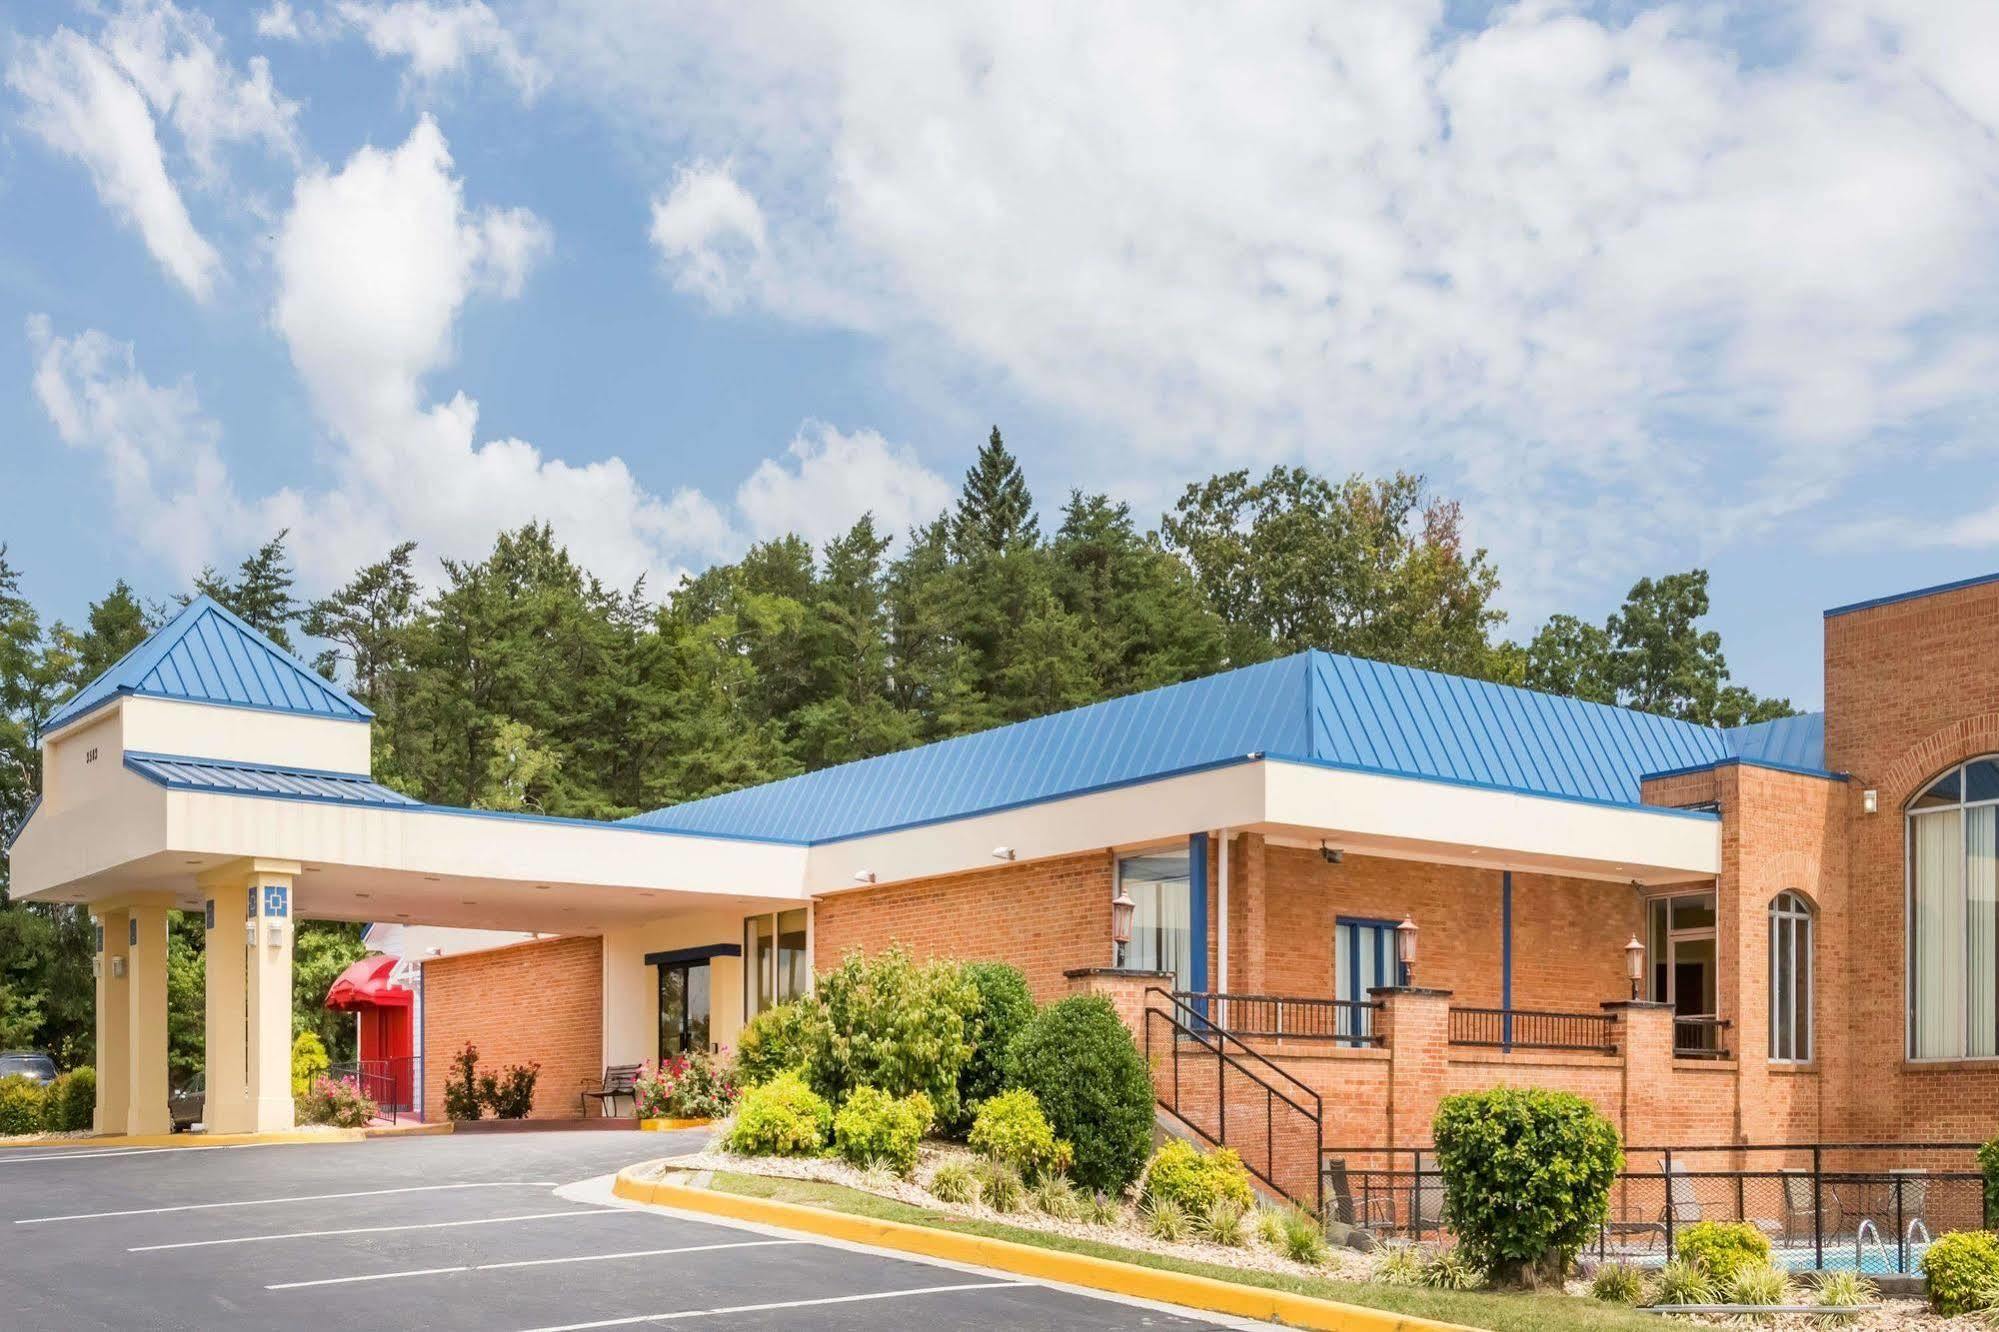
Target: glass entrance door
<point>1685,967</point>
<point>683,1008</point>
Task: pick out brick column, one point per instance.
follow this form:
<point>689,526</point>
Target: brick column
<point>1250,882</point>
<point>1645,1039</point>
<point>1125,989</point>
<point>1415,1027</point>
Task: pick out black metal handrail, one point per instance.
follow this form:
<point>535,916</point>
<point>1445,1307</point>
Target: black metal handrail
<point>1187,1026</point>
<point>392,1084</point>
<point>1285,1016</point>
<point>1533,1029</point>
<point>1700,1037</point>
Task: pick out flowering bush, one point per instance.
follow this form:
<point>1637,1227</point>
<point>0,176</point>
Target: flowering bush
<point>461,1092</point>
<point>336,1101</point>
<point>687,1086</point>
<point>510,1093</point>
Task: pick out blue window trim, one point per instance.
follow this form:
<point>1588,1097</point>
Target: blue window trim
<point>1197,911</point>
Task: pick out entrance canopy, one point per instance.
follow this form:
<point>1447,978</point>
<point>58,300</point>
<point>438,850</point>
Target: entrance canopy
<point>367,984</point>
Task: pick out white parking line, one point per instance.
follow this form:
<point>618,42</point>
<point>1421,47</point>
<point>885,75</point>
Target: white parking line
<point>783,1304</point>
<point>301,1198</point>
<point>374,1230</point>
<point>528,1262</point>
<point>24,1156</point>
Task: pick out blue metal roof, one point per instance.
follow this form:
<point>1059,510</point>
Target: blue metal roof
<point>1314,707</point>
<point>1787,742</point>
<point>224,777</point>
<point>206,654</point>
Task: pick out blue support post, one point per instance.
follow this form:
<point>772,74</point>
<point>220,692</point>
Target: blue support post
<point>1506,958</point>
<point>1197,909</point>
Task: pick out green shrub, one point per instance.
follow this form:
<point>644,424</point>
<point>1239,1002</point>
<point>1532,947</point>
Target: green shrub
<point>1005,1008</point>
<point>1224,1222</point>
<point>1270,1226</point>
<point>1722,1248</point>
<point>1100,1209</point>
<point>1959,1269</point>
<point>954,1183</point>
<point>1988,1165</point>
<point>1055,1196</point>
<point>23,1105</point>
<point>309,1061</point>
<point>1164,1219</point>
<point>1304,1241</point>
<point>874,1128</point>
<point>784,1117</point>
<point>461,1086</point>
<point>894,1026</point>
<point>1683,1283</point>
<point>779,1040</point>
<point>1452,1269</point>
<point>335,1101</point>
<point>1079,1060</point>
<point>1198,1180</point>
<point>1000,1187</point>
<point>1010,1128</point>
<point>1617,1283</point>
<point>1527,1176</point>
<point>1758,1283</point>
<point>691,1085</point>
<point>1843,1290</point>
<point>1400,1266</point>
<point>70,1103</point>
<point>510,1093</point>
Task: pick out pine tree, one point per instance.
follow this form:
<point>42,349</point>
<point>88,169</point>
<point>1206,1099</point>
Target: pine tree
<point>261,593</point>
<point>995,511</point>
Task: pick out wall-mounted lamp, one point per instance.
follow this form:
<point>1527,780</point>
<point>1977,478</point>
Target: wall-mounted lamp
<point>96,967</point>
<point>1870,801</point>
<point>1405,949</point>
<point>1634,965</point>
<point>864,876</point>
<point>1003,853</point>
<point>118,966</point>
<point>1122,910</point>
<point>434,951</point>
<point>1332,855</point>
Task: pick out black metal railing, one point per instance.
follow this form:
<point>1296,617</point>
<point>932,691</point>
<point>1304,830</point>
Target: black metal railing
<point>1866,1207</point>
<point>1531,1029</point>
<point>1700,1037</point>
<point>1231,1096</point>
<point>1286,1017</point>
<point>392,1084</point>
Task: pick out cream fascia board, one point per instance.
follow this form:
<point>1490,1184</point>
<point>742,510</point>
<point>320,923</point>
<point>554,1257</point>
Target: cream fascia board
<point>244,735</point>
<point>1368,804</point>
<point>473,844</point>
<point>124,819</point>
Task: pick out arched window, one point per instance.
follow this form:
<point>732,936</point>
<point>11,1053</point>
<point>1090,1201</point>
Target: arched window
<point>1790,979</point>
<point>1953,915</point>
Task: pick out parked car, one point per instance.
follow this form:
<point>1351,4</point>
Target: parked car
<point>187,1105</point>
<point>35,1067</point>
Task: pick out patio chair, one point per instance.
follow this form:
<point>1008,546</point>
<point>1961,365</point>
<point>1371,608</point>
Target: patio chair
<point>1366,1211</point>
<point>1805,1214</point>
<point>619,1081</point>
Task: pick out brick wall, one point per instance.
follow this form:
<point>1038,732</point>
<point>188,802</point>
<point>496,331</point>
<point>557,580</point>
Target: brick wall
<point>1046,917</point>
<point>532,1002</point>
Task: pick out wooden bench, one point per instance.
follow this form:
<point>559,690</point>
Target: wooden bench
<point>619,1080</point>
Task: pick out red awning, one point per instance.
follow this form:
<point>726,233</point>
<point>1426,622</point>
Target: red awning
<point>365,984</point>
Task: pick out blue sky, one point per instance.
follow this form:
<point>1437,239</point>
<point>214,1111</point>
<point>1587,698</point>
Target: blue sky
<point>1643,287</point>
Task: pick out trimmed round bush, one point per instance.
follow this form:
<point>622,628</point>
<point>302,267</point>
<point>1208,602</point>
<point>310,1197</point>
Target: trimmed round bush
<point>70,1104</point>
<point>1527,1176</point>
<point>1011,1130</point>
<point>784,1117</point>
<point>894,1026</point>
<point>778,1040</point>
<point>1006,1006</point>
<point>23,1104</point>
<point>1722,1249</point>
<point>1079,1060</point>
<point>873,1128</point>
<point>1198,1180</point>
<point>309,1062</point>
<point>1960,1271</point>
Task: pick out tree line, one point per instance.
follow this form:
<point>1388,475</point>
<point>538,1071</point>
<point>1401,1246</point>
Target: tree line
<point>523,681</point>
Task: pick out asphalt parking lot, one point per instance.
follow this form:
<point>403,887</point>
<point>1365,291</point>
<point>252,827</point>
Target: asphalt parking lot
<point>450,1232</point>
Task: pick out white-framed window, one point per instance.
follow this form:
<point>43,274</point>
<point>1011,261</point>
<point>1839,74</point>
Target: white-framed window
<point>1953,915</point>
<point>1790,979</point>
<point>1162,928</point>
<point>777,960</point>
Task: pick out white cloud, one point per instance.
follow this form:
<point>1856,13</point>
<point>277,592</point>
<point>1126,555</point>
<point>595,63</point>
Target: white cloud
<point>710,232</point>
<point>832,478</point>
<point>437,41</point>
<point>97,101</point>
<point>1628,282</point>
<point>169,485</point>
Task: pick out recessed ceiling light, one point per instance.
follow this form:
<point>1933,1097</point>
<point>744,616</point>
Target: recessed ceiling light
<point>541,887</point>
<point>360,894</point>
<point>402,915</point>
<point>312,869</point>
<point>432,878</point>
<point>195,861</point>
<point>466,901</point>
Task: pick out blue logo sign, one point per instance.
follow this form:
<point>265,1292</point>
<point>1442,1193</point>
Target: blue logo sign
<point>100,936</point>
<point>208,915</point>
<point>277,899</point>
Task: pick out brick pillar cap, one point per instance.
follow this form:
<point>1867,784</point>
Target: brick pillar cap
<point>1076,973</point>
<point>1383,991</point>
<point>1640,1004</point>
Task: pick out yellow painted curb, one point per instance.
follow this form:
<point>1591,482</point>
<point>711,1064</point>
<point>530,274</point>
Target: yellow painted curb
<point>1073,1269</point>
<point>672,1125</point>
<point>293,1136</point>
